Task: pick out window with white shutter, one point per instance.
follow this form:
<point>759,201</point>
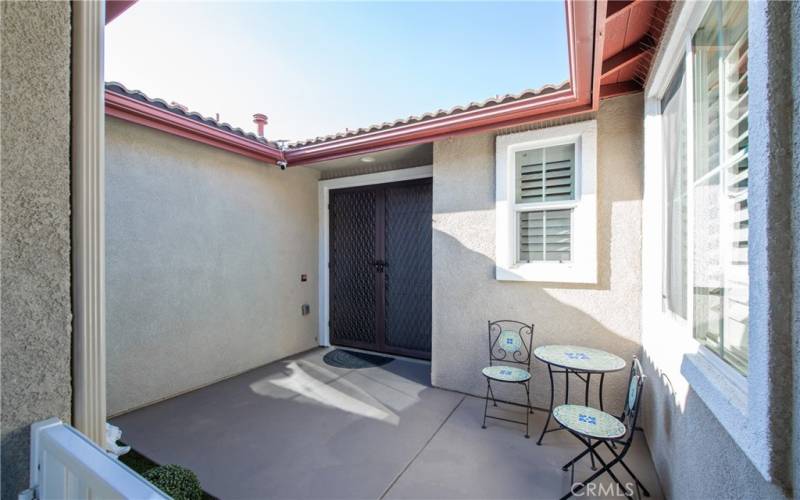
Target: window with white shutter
<point>719,186</point>
<point>696,170</point>
<point>546,205</point>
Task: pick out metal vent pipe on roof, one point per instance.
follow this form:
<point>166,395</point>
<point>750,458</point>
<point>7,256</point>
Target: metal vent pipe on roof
<point>260,120</point>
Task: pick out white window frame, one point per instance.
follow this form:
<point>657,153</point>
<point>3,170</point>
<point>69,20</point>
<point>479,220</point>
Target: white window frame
<point>737,401</point>
<point>582,267</point>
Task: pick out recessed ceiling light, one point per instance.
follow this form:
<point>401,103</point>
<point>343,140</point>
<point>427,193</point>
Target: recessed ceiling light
<point>368,159</point>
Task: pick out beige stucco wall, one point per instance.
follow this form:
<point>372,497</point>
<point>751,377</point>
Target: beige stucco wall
<point>466,294</point>
<point>205,250</point>
<point>694,455</point>
<point>36,303</point>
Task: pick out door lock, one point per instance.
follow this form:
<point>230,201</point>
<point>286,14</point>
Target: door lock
<point>380,265</point>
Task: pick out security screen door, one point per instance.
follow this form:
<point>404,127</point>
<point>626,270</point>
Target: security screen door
<point>380,268</point>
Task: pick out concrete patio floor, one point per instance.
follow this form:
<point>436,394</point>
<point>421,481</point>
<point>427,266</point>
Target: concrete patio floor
<point>299,428</point>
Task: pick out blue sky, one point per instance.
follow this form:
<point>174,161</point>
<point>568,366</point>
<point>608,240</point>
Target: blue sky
<point>318,68</point>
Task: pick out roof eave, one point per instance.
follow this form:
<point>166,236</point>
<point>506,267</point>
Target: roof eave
<point>294,159</point>
<point>141,113</point>
<point>598,35</point>
<point>115,8</point>
<point>498,116</point>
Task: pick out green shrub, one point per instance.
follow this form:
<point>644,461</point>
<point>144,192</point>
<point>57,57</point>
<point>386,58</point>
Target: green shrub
<point>178,482</point>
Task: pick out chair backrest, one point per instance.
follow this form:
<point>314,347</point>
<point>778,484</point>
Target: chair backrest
<point>510,342</point>
<point>633,397</point>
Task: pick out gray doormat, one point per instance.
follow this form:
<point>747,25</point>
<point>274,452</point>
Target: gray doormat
<point>353,359</point>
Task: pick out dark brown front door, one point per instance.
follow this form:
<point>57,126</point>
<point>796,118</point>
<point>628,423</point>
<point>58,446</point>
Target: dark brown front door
<point>380,268</point>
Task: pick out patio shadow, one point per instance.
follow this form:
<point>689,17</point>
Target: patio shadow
<point>296,428</point>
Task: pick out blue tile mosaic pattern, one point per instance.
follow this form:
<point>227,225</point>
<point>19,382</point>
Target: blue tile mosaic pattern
<point>509,341</point>
<point>506,373</point>
<point>589,421</point>
<point>579,358</point>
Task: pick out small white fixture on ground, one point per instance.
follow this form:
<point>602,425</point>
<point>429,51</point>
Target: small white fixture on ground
<point>113,434</point>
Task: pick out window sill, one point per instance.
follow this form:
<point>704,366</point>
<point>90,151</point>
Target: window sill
<point>724,392</point>
<point>555,272</point>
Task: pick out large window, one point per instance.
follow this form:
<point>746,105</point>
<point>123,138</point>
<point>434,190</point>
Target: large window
<point>719,52</point>
<point>546,204</point>
<point>705,139</point>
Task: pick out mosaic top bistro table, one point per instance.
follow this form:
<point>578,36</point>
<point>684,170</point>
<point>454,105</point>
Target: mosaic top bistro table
<point>583,362</point>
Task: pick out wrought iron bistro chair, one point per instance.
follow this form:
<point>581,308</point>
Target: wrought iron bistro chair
<point>508,345</point>
<point>589,424</point>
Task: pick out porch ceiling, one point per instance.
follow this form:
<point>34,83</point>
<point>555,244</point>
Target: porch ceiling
<point>387,159</point>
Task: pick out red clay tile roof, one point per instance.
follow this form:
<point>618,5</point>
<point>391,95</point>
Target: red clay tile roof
<point>119,88</point>
<point>487,103</point>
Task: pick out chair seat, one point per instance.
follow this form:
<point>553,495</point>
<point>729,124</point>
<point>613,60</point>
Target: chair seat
<point>506,373</point>
<point>590,422</point>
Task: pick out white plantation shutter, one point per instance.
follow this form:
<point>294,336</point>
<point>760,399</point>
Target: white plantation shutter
<point>735,173</point>
<point>545,235</point>
<point>546,174</point>
<point>721,216</point>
